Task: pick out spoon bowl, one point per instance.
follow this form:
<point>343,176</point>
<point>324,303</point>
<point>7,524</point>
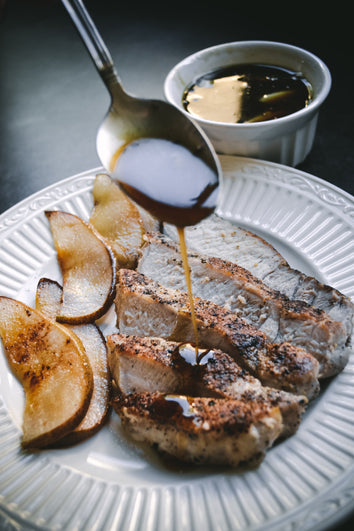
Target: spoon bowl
<point>131,119</point>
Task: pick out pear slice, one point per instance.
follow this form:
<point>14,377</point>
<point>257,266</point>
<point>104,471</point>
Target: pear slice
<point>51,364</point>
<point>120,221</point>
<point>48,301</point>
<point>87,265</point>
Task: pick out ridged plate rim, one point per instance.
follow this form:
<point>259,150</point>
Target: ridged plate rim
<point>304,483</point>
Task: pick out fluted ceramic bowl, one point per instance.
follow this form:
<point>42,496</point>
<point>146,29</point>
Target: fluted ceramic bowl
<point>288,139</point>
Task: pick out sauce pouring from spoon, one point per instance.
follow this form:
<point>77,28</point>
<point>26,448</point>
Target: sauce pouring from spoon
<point>158,155</point>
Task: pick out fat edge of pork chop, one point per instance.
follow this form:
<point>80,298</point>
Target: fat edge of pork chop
<point>145,308</point>
<point>213,431</point>
<point>234,287</point>
<point>221,238</point>
<point>145,364</point>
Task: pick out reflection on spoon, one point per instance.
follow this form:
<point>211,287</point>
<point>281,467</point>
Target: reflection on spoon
<point>167,180</point>
<point>131,120</point>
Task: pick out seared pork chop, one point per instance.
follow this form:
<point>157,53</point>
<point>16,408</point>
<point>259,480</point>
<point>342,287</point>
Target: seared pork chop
<point>234,287</point>
<point>146,308</point>
<point>221,238</point>
<point>145,364</point>
<point>213,431</point>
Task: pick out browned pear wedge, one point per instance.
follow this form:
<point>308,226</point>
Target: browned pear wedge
<point>121,222</point>
<point>87,265</point>
<point>51,364</point>
<point>48,301</point>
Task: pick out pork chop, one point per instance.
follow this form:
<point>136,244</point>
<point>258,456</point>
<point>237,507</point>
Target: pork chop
<point>213,431</point>
<point>221,238</point>
<point>232,286</point>
<point>145,308</point>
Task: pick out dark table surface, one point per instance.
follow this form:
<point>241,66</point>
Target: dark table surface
<point>52,100</point>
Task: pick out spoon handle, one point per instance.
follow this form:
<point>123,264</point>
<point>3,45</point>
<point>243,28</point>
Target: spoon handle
<point>92,39</point>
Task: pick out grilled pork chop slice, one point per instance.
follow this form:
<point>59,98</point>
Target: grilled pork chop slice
<point>213,431</point>
<point>234,287</point>
<point>146,308</point>
<point>145,364</point>
<point>218,237</point>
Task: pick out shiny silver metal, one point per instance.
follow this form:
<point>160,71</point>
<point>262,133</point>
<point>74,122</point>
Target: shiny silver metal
<point>130,118</point>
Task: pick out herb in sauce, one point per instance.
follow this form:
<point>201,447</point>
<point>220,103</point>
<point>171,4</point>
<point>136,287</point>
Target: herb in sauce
<point>247,93</point>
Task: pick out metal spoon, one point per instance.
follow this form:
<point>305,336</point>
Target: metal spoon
<point>130,118</point>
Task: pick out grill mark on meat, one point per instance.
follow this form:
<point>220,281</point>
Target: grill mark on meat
<point>145,364</point>
<point>232,286</point>
<point>146,308</point>
<point>201,430</point>
<point>221,238</point>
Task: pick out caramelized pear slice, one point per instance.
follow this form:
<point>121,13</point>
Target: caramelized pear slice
<point>48,301</point>
<point>51,364</point>
<point>119,221</point>
<point>87,265</point>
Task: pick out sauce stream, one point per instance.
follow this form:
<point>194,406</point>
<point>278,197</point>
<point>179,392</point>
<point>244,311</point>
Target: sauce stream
<point>171,183</point>
<point>183,248</point>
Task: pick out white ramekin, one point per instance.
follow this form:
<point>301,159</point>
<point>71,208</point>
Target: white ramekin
<point>287,140</point>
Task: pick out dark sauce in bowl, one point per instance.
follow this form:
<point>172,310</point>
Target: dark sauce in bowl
<point>247,93</point>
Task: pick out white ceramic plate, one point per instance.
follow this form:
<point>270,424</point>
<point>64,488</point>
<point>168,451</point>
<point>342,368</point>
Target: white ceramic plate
<point>108,483</point>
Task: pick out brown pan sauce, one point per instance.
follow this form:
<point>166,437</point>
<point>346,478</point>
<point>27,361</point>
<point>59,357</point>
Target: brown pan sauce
<point>172,184</point>
<point>247,93</point>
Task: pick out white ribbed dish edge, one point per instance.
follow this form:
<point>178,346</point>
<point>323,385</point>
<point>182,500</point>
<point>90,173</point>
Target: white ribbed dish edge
<point>108,483</point>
